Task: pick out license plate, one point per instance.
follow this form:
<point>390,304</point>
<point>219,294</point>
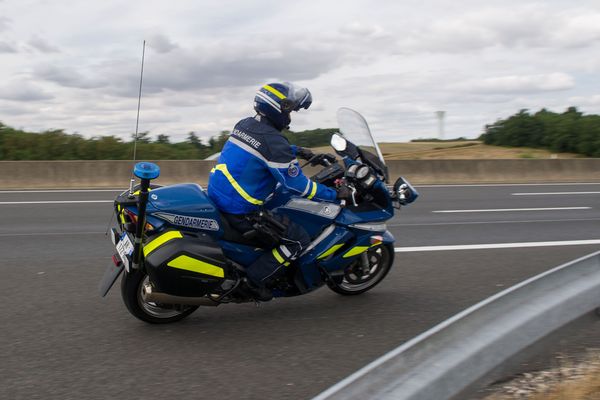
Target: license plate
<point>125,249</point>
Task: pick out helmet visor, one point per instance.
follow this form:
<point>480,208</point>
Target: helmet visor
<point>305,99</point>
<point>299,97</point>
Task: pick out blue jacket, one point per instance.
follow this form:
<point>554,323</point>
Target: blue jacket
<point>255,158</point>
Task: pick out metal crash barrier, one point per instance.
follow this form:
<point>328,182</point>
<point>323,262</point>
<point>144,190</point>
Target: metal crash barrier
<point>447,359</point>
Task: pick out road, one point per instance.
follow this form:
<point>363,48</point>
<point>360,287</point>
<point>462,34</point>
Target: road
<point>59,340</point>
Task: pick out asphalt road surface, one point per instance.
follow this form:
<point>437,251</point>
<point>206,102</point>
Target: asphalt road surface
<point>456,246</point>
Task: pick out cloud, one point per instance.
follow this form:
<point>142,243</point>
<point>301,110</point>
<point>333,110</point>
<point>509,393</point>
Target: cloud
<point>69,77</point>
<point>518,84</point>
<point>593,100</point>
<point>23,91</point>
<point>222,64</point>
<point>521,26</point>
<point>161,44</point>
<point>42,45</point>
<point>361,29</point>
<point>229,64</point>
<point>578,31</point>
<point>7,48</point>
<point>4,23</point>
<point>17,108</point>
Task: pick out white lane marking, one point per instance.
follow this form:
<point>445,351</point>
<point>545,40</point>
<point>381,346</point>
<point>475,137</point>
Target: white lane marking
<point>551,193</point>
<point>530,221</point>
<point>51,234</point>
<point>61,191</point>
<point>506,184</point>
<point>497,246</point>
<point>513,209</point>
<point>55,202</point>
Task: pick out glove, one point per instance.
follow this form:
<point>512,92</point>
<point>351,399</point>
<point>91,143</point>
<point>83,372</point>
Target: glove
<point>321,158</point>
<point>304,153</point>
<point>344,193</point>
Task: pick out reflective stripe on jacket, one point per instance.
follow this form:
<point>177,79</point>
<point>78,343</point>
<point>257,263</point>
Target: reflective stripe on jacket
<point>255,158</point>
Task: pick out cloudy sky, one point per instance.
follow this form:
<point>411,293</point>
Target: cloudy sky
<point>75,64</point>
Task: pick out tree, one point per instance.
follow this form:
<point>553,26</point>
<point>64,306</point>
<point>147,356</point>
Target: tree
<point>195,141</point>
<point>162,139</point>
<point>570,131</point>
<point>142,137</point>
<point>216,143</point>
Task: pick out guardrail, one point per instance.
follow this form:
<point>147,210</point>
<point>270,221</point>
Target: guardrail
<point>116,173</point>
<point>450,358</point>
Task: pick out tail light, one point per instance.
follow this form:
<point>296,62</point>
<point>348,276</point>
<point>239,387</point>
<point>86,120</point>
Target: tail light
<point>116,260</point>
<point>133,218</point>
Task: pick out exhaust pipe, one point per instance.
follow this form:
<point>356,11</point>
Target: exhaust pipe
<point>149,295</point>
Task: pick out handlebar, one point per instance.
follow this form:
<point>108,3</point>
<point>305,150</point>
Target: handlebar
<point>318,159</point>
<point>354,191</point>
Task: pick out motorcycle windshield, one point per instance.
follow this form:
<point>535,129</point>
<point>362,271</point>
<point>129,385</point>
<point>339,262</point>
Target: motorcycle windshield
<point>355,129</point>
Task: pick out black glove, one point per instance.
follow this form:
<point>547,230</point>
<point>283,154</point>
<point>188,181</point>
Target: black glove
<point>344,193</point>
<point>304,153</point>
<point>325,159</point>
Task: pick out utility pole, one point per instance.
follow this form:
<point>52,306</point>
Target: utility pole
<point>440,116</point>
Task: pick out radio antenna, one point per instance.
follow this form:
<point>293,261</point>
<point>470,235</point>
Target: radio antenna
<point>137,120</point>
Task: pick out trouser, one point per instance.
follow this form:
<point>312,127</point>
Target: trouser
<point>271,264</point>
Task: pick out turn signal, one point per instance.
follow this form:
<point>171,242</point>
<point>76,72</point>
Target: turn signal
<point>375,240</point>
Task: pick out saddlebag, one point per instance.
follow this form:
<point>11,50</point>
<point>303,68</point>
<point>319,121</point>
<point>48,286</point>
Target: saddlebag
<point>183,264</point>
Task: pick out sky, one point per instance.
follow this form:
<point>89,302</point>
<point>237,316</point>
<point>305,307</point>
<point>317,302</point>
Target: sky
<point>75,65</point>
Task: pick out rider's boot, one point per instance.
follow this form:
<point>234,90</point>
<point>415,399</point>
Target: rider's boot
<point>259,293</point>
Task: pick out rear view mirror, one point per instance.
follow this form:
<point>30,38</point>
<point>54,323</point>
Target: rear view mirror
<point>403,192</point>
<point>338,142</point>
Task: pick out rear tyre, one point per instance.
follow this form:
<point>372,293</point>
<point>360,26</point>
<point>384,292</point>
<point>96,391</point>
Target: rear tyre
<point>131,290</point>
<point>359,278</point>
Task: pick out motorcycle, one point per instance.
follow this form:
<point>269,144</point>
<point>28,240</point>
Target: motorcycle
<point>177,253</point>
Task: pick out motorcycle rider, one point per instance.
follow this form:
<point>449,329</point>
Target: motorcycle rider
<point>255,158</point>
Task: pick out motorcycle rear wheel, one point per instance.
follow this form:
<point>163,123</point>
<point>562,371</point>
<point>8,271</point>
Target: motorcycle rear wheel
<point>132,285</point>
<point>358,279</point>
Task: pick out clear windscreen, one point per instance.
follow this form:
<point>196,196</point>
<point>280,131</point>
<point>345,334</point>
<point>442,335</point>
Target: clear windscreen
<point>356,130</point>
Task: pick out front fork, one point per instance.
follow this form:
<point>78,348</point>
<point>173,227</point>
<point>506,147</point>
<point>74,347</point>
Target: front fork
<point>364,259</point>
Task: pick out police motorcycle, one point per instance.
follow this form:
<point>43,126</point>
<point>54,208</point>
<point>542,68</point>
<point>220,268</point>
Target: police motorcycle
<point>177,253</point>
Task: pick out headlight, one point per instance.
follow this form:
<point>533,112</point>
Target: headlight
<point>362,172</point>
<point>351,171</point>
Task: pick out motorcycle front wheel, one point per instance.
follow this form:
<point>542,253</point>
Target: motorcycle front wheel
<point>132,285</point>
<point>366,271</point>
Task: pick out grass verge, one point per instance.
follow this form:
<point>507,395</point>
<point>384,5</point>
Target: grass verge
<point>570,381</point>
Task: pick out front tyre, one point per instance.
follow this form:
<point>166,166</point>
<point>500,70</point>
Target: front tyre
<point>132,285</point>
<point>366,271</point>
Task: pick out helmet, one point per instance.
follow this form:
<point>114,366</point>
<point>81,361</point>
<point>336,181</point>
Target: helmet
<point>275,101</point>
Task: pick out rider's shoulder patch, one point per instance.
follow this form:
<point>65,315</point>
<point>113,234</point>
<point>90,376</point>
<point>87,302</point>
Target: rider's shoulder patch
<point>293,170</point>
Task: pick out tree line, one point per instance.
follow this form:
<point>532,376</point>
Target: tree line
<point>55,144</point>
<point>569,132</point>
